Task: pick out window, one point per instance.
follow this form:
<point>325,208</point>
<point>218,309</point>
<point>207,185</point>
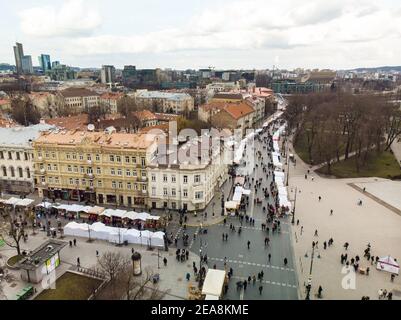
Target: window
<point>173,179</point>
<point>185,179</point>
<point>81,156</point>
<point>118,158</point>
<point>97,157</point>
<point>144,188</point>
<point>113,184</point>
<point>47,155</point>
<point>18,156</point>
<point>174,205</point>
<point>134,173</point>
<point>56,180</point>
<point>120,185</point>
<point>10,156</point>
<point>113,171</point>
<point>185,193</point>
<point>164,177</point>
<point>90,183</point>
<point>199,195</point>
<point>135,186</point>
<point>111,158</point>
<point>75,168</point>
<point>20,172</point>
<point>1,155</point>
<point>71,181</point>
<point>43,179</point>
<point>89,170</point>
<point>82,170</point>
<point>153,177</point>
<point>28,173</point>
<point>129,186</point>
<point>143,161</point>
<point>128,172</point>
<point>173,192</point>
<point>4,171</point>
<point>133,160</point>
<point>49,167</point>
<point>119,172</point>
<point>83,182</point>
<point>55,168</point>
<point>68,156</point>
<point>39,154</point>
<point>127,159</point>
<point>99,183</point>
<point>53,155</point>
<point>12,170</point>
<point>165,191</point>
<point>89,157</point>
<point>50,179</point>
<point>98,171</point>
<point>77,182</point>
<point>153,191</point>
<point>25,156</point>
<point>74,156</point>
<point>197,178</point>
<point>41,166</point>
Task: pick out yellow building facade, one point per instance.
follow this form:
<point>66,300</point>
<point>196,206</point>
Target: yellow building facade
<point>97,167</point>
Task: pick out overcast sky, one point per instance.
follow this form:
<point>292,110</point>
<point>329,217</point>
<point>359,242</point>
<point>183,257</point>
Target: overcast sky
<point>200,33</point>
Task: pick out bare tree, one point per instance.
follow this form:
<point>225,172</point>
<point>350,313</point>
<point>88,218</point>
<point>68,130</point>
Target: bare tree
<point>15,232</point>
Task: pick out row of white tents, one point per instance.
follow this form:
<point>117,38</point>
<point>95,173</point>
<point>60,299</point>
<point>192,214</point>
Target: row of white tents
<point>17,202</point>
<point>100,211</point>
<point>279,176</point>
<point>100,231</point>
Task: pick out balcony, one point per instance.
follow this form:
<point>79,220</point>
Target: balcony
<point>89,176</point>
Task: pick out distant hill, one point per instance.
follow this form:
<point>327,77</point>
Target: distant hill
<point>376,69</point>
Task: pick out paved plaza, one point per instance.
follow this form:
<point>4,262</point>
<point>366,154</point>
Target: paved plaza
<point>358,225</point>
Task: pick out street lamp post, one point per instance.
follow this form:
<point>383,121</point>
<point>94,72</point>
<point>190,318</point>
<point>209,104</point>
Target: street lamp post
<point>309,285</point>
<point>295,202</point>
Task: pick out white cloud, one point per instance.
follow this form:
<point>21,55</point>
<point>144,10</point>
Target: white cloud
<point>257,24</point>
<point>73,18</point>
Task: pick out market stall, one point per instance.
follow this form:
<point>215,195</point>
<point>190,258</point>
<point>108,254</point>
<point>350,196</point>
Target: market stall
<point>388,264</point>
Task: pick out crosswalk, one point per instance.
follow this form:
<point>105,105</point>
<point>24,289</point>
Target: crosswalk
<point>268,266</point>
<point>274,283</point>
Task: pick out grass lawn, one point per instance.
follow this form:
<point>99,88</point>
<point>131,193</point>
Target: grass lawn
<point>70,286</point>
<point>383,166</point>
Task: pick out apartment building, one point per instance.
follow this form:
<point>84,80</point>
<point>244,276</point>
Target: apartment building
<point>170,102</point>
<point>186,184</point>
<point>110,100</point>
<point>98,167</point>
<point>16,158</point>
<point>79,99</point>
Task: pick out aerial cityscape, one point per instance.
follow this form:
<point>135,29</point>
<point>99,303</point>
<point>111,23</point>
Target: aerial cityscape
<point>233,151</point>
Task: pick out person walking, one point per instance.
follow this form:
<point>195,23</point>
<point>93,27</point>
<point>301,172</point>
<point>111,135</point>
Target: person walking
<point>78,262</point>
<point>319,292</point>
<point>260,289</point>
<point>346,245</point>
<point>97,254</point>
<point>316,234</point>
<point>324,245</point>
<point>75,242</point>
<point>249,243</point>
<point>320,198</point>
<point>188,276</point>
<point>245,283</point>
<point>165,261</point>
<point>70,243</point>
<point>331,212</point>
<point>269,256</point>
<point>285,261</point>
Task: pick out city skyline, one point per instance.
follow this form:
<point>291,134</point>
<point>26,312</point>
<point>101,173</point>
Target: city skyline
<point>206,33</point>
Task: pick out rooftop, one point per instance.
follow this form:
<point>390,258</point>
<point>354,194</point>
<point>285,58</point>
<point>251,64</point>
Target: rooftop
<point>229,95</point>
<point>112,95</point>
<point>41,254</point>
<point>110,140</point>
<point>78,92</point>
<point>163,95</point>
<point>144,115</point>
<point>22,136</point>
<point>78,122</point>
<point>166,116</point>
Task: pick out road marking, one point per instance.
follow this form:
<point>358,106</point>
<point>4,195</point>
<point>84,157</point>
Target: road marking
<point>254,264</point>
<point>282,284</point>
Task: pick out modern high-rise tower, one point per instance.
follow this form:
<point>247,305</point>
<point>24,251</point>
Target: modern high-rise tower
<point>44,62</point>
<point>19,54</point>
<point>108,74</point>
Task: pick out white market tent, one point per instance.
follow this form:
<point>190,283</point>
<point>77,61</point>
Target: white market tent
<point>46,205</point>
<point>239,191</point>
<point>143,216</point>
<point>18,202</point>
<point>214,282</point>
<point>114,235</point>
<point>388,264</point>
